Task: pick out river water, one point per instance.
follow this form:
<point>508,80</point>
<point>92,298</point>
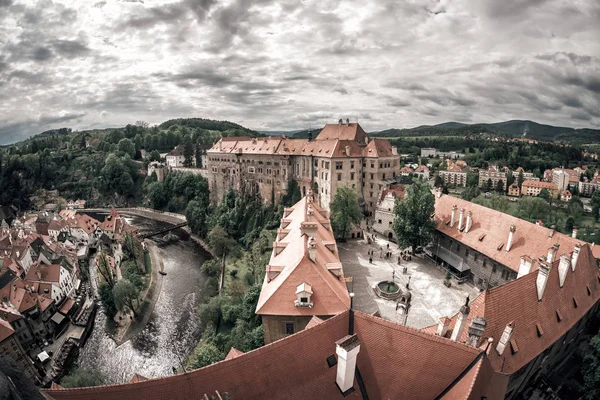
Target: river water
<point>172,331</point>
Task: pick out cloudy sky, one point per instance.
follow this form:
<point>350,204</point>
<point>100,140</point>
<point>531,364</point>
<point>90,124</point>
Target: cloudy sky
<point>288,64</point>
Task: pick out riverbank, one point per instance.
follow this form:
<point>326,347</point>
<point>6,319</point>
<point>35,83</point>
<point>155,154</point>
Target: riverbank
<point>150,298</point>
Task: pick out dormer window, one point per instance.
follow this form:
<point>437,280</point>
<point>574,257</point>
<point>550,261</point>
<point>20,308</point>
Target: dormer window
<point>304,295</point>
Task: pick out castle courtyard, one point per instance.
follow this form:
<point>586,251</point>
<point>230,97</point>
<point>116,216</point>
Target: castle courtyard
<point>430,298</point>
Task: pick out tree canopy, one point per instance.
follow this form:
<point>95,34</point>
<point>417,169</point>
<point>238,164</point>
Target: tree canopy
<point>345,211</point>
<point>413,222</point>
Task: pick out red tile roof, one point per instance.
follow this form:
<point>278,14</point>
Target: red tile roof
<point>540,184</point>
<point>352,131</point>
<point>394,362</point>
<point>497,307</point>
<point>378,148</point>
<point>489,233</point>
<point>290,257</point>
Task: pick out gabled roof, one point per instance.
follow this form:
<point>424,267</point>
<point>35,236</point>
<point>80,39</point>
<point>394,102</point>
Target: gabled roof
<point>233,353</point>
<point>540,184</point>
<point>177,151</point>
<point>5,330</point>
<point>303,221</point>
<point>489,233</point>
<point>351,131</point>
<point>378,148</point>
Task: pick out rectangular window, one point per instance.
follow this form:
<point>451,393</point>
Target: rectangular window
<point>327,165</point>
<point>339,165</point>
<point>372,176</point>
<point>351,176</point>
<point>372,164</point>
<point>351,164</point>
<point>383,176</point>
<point>289,328</point>
<point>339,177</point>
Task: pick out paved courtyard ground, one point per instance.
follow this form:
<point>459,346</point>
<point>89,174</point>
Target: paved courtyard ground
<point>431,299</point>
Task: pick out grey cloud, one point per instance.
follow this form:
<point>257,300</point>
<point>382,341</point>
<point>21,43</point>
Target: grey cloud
<point>414,87</point>
<point>340,90</point>
<point>70,48</point>
<point>170,13</point>
<point>41,54</point>
<point>581,115</point>
<point>5,3</point>
<point>16,131</point>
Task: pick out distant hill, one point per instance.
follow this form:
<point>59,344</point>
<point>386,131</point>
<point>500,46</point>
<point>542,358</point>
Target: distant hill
<point>279,133</point>
<point>515,128</point>
<point>207,124</point>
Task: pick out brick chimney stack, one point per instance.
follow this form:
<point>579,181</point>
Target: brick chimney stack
<point>476,330</point>
<point>511,234</point>
<point>552,251</point>
<point>525,266</point>
<point>312,249</point>
<point>461,321</point>
<point>443,325</point>
<point>563,267</point>
<point>505,339</point>
<point>460,219</point>
<point>574,234</point>
<point>469,221</point>
<point>453,216</point>
<point>347,350</point>
<point>575,256</point>
<point>542,278</point>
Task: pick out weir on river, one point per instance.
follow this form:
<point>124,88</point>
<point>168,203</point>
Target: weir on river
<point>173,329</point>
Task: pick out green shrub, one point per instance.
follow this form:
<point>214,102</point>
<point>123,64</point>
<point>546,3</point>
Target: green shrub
<point>233,273</point>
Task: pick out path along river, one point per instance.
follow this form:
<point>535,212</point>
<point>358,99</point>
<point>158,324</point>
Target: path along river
<point>172,331</point>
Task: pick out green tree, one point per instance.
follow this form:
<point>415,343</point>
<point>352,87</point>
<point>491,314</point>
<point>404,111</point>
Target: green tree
<point>575,208</point>
<point>591,369</point>
<point>595,203</point>
<point>107,299</point>
<point>569,225</point>
<point>345,211</point>
<point>438,182</point>
<point>472,179</point>
<point>546,195</point>
<point>154,155</point>
<point>520,179</point>
<point>205,354</point>
<point>510,179</point>
<point>489,185</point>
<point>500,186</point>
<point>195,214</point>
<point>82,377</point>
<point>470,193</point>
<point>188,154</point>
<point>413,222</point>
<point>125,293</point>
<point>219,241</point>
<point>103,266</point>
<point>127,146</point>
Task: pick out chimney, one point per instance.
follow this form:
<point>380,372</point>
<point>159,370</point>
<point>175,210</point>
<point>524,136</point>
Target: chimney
<point>575,256</point>
<point>476,330</point>
<point>552,229</point>
<point>525,266</point>
<point>461,321</point>
<point>563,267</point>
<point>340,121</point>
<point>452,216</point>
<point>394,150</point>
<point>347,121</point>
<point>439,192</point>
<point>542,278</point>
<point>460,219</point>
<point>574,234</point>
<point>511,233</point>
<point>469,221</point>
<point>312,249</point>
<point>552,253</point>
<point>505,339</point>
<point>347,350</point>
<point>348,150</point>
<point>443,326</point>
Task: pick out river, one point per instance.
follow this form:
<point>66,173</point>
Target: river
<point>172,331</point>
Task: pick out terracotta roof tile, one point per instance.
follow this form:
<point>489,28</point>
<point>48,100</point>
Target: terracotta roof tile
<point>352,131</point>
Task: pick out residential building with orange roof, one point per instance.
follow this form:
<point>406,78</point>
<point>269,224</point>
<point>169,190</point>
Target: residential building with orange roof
<point>342,154</point>
<point>454,176</point>
<point>533,188</point>
<point>566,196</point>
<point>588,187</point>
<point>422,171</point>
<point>513,190</point>
<point>494,175</point>
<point>484,245</point>
<point>304,276</point>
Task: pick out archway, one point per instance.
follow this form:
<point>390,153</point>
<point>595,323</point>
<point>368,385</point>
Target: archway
<point>303,191</point>
<point>390,235</point>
